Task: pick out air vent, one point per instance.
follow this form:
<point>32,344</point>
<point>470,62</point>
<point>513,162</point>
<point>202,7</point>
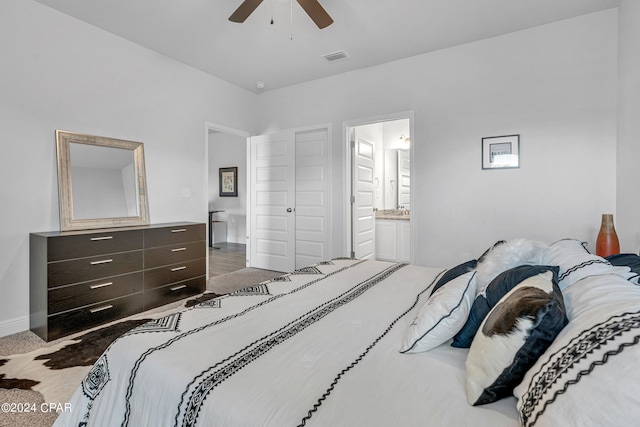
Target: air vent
<point>334,56</point>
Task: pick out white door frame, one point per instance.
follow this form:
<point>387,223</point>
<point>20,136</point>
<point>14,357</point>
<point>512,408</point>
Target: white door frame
<point>209,126</point>
<point>346,147</point>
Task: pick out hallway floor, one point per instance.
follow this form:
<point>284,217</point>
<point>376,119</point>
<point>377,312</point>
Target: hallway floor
<point>230,257</point>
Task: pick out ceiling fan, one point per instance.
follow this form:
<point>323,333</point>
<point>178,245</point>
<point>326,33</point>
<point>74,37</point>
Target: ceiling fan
<point>315,11</point>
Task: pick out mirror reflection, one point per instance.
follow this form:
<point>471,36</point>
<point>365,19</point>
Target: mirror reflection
<point>395,179</point>
<point>103,182</point>
<point>391,142</point>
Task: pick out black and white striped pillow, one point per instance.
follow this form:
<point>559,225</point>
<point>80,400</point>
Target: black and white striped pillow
<point>589,375</point>
<point>576,262</point>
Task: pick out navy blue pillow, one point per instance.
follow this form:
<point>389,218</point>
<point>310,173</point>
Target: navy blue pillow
<point>454,272</point>
<point>625,260</point>
<point>498,287</point>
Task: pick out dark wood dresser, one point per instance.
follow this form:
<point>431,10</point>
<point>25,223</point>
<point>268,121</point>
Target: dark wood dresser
<point>81,279</point>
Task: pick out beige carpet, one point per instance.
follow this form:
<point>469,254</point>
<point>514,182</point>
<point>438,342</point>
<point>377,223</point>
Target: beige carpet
<point>230,282</point>
<point>30,408</point>
<point>25,418</point>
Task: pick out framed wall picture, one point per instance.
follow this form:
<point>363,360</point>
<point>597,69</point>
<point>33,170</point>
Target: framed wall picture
<point>228,182</point>
<point>501,152</point>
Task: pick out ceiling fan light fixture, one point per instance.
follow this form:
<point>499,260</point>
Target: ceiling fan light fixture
<point>315,11</point>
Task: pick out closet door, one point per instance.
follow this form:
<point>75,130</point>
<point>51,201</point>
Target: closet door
<point>312,198</point>
<point>272,207</point>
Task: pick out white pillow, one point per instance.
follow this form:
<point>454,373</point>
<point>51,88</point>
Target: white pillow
<point>589,375</point>
<point>507,255</point>
<point>576,262</point>
<point>442,315</point>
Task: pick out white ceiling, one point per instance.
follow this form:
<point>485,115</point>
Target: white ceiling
<point>198,33</point>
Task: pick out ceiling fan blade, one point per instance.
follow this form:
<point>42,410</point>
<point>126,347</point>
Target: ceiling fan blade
<point>316,12</point>
<point>244,10</point>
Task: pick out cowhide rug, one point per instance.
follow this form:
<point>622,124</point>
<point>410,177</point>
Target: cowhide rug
<point>56,369</point>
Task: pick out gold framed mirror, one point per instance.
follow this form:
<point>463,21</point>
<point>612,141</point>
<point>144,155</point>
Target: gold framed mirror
<point>101,182</point>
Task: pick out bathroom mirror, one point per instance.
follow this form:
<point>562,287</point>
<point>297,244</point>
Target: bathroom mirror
<point>101,182</point>
<point>395,179</point>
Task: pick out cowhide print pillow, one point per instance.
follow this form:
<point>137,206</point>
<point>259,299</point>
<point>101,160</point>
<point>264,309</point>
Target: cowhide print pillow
<point>517,330</point>
<point>498,287</point>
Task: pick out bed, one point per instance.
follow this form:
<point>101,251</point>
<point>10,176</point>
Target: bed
<point>369,343</point>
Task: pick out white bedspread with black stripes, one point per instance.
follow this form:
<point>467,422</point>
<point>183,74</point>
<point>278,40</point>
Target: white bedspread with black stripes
<point>317,347</point>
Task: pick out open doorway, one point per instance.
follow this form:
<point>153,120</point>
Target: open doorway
<point>379,189</point>
<point>226,203</point>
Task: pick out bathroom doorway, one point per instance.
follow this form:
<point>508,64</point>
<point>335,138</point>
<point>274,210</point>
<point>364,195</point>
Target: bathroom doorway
<point>379,188</point>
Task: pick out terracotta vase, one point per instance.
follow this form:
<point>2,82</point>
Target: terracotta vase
<point>607,242</point>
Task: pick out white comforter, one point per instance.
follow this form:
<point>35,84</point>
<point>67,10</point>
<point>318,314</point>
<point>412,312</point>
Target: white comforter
<point>318,347</point>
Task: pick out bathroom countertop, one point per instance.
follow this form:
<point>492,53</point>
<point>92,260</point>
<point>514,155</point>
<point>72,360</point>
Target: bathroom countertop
<point>393,214</point>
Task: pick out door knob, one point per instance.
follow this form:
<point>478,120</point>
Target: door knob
<point>289,209</point>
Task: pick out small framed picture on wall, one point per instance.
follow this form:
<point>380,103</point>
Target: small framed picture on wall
<point>501,152</point>
<point>228,182</point>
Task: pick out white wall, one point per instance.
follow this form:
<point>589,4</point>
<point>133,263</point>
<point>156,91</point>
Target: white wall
<point>555,85</point>
<point>628,196</point>
<point>392,131</point>
<point>60,73</point>
<point>228,150</point>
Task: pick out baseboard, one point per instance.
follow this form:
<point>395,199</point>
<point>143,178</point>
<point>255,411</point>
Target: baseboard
<point>13,326</point>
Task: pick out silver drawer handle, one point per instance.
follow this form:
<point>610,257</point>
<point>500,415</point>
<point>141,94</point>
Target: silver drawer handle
<point>104,307</point>
<point>178,249</point>
<point>179,230</point>
<point>175,288</point>
<point>179,268</point>
<point>102,285</point>
<point>102,238</point>
<point>104,261</point>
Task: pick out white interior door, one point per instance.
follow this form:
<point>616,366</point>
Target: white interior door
<point>364,232</point>
<point>272,235</point>
<point>404,179</point>
<point>312,198</point>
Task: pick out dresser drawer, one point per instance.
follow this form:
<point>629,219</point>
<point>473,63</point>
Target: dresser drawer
<point>173,292</point>
<point>92,268</point>
<point>71,297</point>
<point>166,236</point>
<point>76,320</point>
<point>164,255</point>
<point>162,276</point>
<point>85,245</point>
